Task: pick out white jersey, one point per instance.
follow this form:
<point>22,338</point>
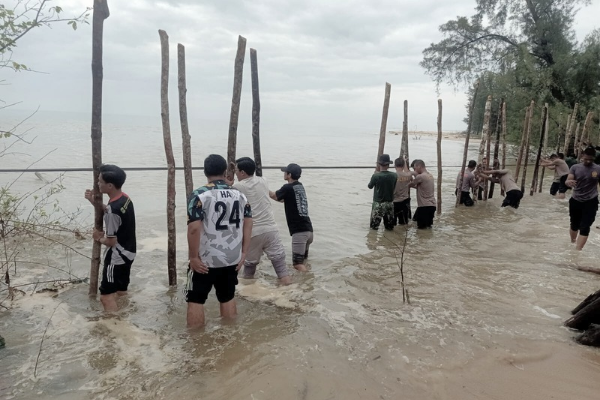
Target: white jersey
<point>222,211</point>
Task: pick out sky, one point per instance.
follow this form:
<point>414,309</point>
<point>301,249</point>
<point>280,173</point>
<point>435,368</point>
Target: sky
<point>321,62</point>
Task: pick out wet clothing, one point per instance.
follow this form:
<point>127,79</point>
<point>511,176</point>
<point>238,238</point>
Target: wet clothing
<point>469,182</point>
<point>401,189</point>
<point>301,242</point>
<point>383,211</point>
<point>198,286</point>
<point>465,198</point>
<point>424,216</point>
<point>560,167</point>
<point>513,198</point>
<point>384,184</point>
<point>222,210</point>
<point>559,186</point>
<point>270,244</point>
<point>402,212</point>
<point>296,207</point>
<point>582,215</point>
<point>587,181</point>
<point>425,190</point>
<point>119,220</point>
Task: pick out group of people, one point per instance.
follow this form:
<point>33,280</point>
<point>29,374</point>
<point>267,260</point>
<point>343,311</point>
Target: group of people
<point>230,226</point>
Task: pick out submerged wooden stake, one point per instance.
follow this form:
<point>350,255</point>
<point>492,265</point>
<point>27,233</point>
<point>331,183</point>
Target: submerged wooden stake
<point>526,150</point>
<point>466,150</point>
<point>255,112</point>
<point>539,153</point>
<point>101,12</point>
<point>404,141</point>
<point>521,147</point>
<point>185,132</point>
<point>166,126</point>
<point>235,105</point>
<point>439,158</point>
<point>384,116</point>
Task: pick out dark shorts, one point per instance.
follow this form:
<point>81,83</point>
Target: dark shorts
<point>402,212</point>
<point>199,285</point>
<point>465,198</point>
<point>424,216</point>
<point>115,278</point>
<point>559,186</point>
<point>582,215</point>
<point>513,198</point>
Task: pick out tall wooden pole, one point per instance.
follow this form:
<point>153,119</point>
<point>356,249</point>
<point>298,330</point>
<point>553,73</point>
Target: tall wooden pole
<point>539,153</point>
<point>384,116</point>
<point>255,112</point>
<point>166,127</point>
<point>486,133</point>
<point>101,12</point>
<point>503,140</point>
<point>546,136</point>
<point>466,151</point>
<point>404,142</point>
<point>526,149</point>
<point>439,158</point>
<point>235,105</point>
<point>567,139</point>
<point>571,128</point>
<point>521,147</point>
<point>577,142</point>
<point>185,132</point>
<point>496,146</point>
<point>585,135</point>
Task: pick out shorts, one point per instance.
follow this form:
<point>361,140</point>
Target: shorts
<point>582,215</point>
<point>270,244</point>
<point>198,286</point>
<point>424,216</point>
<point>402,212</point>
<point>513,198</point>
<point>465,198</point>
<point>115,277</point>
<point>300,243</point>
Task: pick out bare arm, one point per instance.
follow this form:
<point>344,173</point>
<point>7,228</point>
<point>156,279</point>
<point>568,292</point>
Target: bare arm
<point>571,182</point>
<point>247,235</point>
<point>194,232</point>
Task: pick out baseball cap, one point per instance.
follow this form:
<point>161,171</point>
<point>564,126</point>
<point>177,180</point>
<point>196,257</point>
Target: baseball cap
<point>293,169</point>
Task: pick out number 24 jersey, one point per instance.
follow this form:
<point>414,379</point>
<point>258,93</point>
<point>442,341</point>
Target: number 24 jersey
<point>222,210</point>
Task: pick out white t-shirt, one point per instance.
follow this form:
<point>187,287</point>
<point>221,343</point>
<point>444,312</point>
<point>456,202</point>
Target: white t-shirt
<point>256,191</point>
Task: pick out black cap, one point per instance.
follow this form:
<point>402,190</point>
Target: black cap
<point>294,170</point>
<point>384,159</point>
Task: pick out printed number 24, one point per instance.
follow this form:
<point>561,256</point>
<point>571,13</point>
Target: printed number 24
<point>234,217</point>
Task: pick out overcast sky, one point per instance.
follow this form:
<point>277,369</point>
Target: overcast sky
<point>321,62</point>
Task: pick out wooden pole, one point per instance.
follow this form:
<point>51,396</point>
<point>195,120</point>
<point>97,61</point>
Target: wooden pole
<point>539,153</point>
<point>185,132</point>
<point>384,116</point>
<point>585,135</point>
<point>255,112</point>
<point>439,158</point>
<point>404,142</point>
<point>577,142</point>
<point>545,150</point>
<point>164,113</point>
<point>559,138</point>
<point>503,140</point>
<point>570,128</point>
<point>520,157</point>
<point>101,12</point>
<point>567,139</point>
<point>496,165</point>
<point>526,150</point>
<point>235,105</point>
<point>486,132</point>
<point>466,151</point>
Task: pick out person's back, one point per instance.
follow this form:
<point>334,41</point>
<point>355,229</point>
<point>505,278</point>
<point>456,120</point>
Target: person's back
<point>256,190</point>
<point>426,203</point>
<point>384,184</point>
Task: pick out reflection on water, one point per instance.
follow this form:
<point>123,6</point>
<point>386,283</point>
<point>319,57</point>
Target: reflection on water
<point>489,290</point>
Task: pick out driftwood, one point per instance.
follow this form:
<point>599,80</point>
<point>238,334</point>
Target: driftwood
<point>255,112</point>
<point>486,133</point>
<point>587,315</point>
<point>539,153</point>
<point>526,150</point>
<point>164,113</point>
<point>466,150</point>
<point>591,337</point>
<point>235,105</point>
<point>522,146</point>
<point>101,12</point>
<point>185,132</point>
<point>439,158</point>
<point>404,141</point>
<point>384,117</point>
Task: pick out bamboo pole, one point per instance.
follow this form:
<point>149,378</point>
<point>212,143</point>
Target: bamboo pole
<point>466,151</point>
<point>503,140</point>
<point>255,112</point>
<point>496,165</point>
<point>520,157</point>
<point>539,153</point>
<point>166,127</point>
<point>384,116</point>
<point>585,135</point>
<point>404,141</point>
<point>545,150</point>
<point>439,158</point>
<point>567,139</point>
<point>235,105</point>
<point>526,150</point>
<point>486,134</point>
<point>571,128</point>
<point>185,132</point>
<point>101,12</point>
<point>577,142</point>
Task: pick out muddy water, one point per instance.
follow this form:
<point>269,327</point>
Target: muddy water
<point>489,289</point>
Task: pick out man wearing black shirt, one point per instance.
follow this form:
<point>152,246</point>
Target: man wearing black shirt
<point>119,221</point>
<point>293,196</point>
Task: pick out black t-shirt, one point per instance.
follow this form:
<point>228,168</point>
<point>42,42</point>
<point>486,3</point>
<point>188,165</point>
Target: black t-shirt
<point>296,207</point>
<point>119,219</point>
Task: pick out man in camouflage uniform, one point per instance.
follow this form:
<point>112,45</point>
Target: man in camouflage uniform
<point>384,183</point>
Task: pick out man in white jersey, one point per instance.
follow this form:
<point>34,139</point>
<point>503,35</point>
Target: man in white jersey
<point>219,232</point>
<point>265,234</point>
